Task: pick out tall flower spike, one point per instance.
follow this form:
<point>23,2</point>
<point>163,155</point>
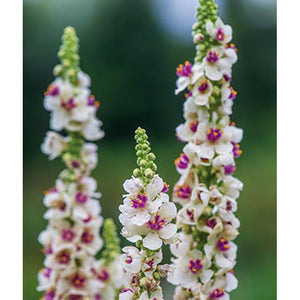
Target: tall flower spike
<point>71,239</point>
<point>146,216</point>
<point>108,269</point>
<point>205,253</point>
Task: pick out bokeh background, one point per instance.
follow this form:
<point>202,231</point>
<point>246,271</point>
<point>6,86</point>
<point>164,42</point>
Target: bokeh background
<point>131,48</point>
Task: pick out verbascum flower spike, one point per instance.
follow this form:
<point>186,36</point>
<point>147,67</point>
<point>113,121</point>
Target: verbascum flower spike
<point>108,269</point>
<point>205,254</point>
<point>146,216</point>
<point>71,239</point>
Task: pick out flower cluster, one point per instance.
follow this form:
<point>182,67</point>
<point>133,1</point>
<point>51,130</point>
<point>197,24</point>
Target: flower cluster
<point>71,239</point>
<point>205,253</point>
<point>146,216</point>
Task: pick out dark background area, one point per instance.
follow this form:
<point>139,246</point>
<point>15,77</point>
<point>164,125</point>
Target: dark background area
<point>131,58</point>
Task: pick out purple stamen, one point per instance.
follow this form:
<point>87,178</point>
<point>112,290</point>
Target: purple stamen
<point>211,223</point>
<point>229,169</point>
<point>182,162</point>
<point>220,36</point>
<point>50,294</point>
<point>194,126</point>
<point>217,293</point>
<point>236,149</point>
<point>69,105</point>
<point>184,70</point>
<point>140,201</point>
<point>157,223</point>
<point>81,197</point>
<point>87,237</point>
<point>183,191</point>
<point>78,281</point>
<point>165,188</point>
<point>214,135</point>
<point>223,245</point>
<point>212,57</point>
<point>103,275</point>
<point>67,235</point>
<point>195,265</point>
<point>75,164</point>
<point>203,87</point>
<point>46,272</point>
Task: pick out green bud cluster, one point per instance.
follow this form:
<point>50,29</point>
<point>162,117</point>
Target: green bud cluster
<point>69,57</point>
<point>145,159</point>
<point>111,241</point>
<point>208,11</point>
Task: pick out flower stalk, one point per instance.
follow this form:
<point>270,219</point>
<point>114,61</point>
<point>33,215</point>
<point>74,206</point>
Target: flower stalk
<point>205,254</point>
<point>146,216</point>
<point>71,239</point>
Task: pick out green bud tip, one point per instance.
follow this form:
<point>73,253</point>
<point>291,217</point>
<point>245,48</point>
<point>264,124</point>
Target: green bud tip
<point>69,57</point>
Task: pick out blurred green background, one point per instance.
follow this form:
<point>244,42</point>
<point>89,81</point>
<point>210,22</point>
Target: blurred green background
<point>131,49</point>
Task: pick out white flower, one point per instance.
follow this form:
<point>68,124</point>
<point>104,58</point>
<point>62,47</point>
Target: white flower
<point>141,202</point>
<point>161,230</point>
<point>54,144</point>
<point>232,186</point>
<point>89,155</point>
<point>202,91</point>
<point>110,277</point>
<point>184,72</point>
<point>84,79</point>
<point>224,252</point>
<point>189,268</point>
<point>222,33</point>
<point>92,129</point>
<point>215,64</point>
<point>131,259</point>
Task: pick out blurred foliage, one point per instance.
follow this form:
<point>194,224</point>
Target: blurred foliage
<point>132,63</point>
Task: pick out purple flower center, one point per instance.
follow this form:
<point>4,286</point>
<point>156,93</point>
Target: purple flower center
<point>69,105</point>
<point>203,87</point>
<point>92,101</point>
<point>140,201</point>
<point>211,223</point>
<point>227,78</point>
<point>87,237</point>
<point>236,149</point>
<point>182,162</point>
<point>46,272</point>
<point>63,257</point>
<point>233,93</point>
<point>75,164</point>
<point>67,235</point>
<point>191,214</point>
<point>184,70</point>
<point>223,245</point>
<point>220,36</point>
<point>157,223</point>
<point>78,281</point>
<point>229,169</point>
<point>103,275</point>
<point>228,206</point>
<point>183,191</point>
<point>212,57</point>
<point>48,250</point>
<point>98,297</point>
<point>52,90</point>
<point>193,126</point>
<point>50,294</point>
<point>165,188</point>
<point>81,197</point>
<point>214,135</point>
<point>75,297</point>
<point>129,259</point>
<point>217,293</point>
<point>195,265</point>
